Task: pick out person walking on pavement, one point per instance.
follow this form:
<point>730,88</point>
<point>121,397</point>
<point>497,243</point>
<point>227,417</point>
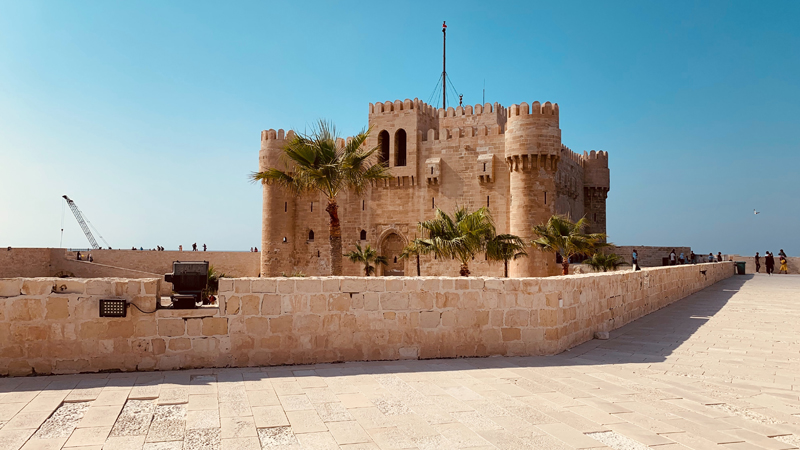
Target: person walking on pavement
<point>784,268</point>
<point>194,247</point>
<point>672,258</point>
<point>635,260</point>
<point>769,262</point>
<point>758,262</point>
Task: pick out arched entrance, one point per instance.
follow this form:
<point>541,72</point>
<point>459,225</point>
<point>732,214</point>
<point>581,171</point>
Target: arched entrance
<point>391,247</point>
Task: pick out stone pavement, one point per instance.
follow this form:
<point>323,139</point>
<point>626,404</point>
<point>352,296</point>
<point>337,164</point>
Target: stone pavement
<point>718,370</point>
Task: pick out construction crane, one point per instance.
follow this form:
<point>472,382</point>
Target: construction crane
<point>82,223</point>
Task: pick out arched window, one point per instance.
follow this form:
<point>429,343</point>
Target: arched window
<point>383,143</point>
<point>310,235</point>
<point>363,235</point>
<point>400,148</point>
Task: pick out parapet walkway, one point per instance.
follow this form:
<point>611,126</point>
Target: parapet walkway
<point>717,370</point>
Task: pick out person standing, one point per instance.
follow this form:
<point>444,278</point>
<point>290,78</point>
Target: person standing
<point>784,268</point>
<point>682,259</point>
<point>758,262</point>
<point>710,257</point>
<point>693,257</point>
<point>180,248</point>
<point>635,260</point>
<point>672,258</point>
<point>194,247</point>
<point>204,247</point>
<point>782,254</point>
<point>769,262</point>
<point>719,256</point>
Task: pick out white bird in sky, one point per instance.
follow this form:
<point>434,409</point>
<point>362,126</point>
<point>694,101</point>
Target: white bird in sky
<point>755,212</point>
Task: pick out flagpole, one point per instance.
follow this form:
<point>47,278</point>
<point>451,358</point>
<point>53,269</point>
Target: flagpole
<point>444,65</point>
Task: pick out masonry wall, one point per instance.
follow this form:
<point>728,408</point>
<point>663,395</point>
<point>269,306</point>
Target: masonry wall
<point>50,325</point>
<point>651,256</point>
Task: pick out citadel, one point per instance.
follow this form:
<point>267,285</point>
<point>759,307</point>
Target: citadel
<point>510,160</point>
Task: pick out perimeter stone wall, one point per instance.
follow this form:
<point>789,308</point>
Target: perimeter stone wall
<point>50,325</point>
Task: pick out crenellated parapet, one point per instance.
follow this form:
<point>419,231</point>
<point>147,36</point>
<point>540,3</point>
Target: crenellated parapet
<point>533,138</point>
<point>595,170</point>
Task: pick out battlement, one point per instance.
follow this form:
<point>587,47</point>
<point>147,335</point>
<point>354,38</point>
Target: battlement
<point>389,107</point>
<point>268,135</point>
<point>469,110</point>
<point>601,156</point>
<point>567,153</point>
<point>548,109</point>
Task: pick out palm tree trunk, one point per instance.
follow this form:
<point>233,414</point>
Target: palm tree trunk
<point>505,267</point>
<point>464,270</point>
<point>336,237</point>
<point>418,272</point>
<point>565,267</point>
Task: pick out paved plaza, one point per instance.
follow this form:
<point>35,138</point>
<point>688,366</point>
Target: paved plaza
<point>718,370</point>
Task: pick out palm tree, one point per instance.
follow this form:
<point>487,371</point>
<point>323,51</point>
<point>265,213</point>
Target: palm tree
<point>605,261</point>
<point>414,248</point>
<point>366,256</point>
<point>561,235</point>
<point>461,236</point>
<point>505,247</point>
<point>316,163</point>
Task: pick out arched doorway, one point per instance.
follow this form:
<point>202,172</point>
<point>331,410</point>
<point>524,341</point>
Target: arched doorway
<point>391,247</point>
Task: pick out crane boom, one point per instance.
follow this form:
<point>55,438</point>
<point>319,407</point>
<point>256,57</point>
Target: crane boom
<point>81,222</point>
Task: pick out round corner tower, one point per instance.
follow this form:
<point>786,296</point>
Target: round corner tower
<point>532,150</point>
<point>277,216</point>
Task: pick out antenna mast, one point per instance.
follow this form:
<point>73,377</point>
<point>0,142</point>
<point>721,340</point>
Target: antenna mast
<point>444,65</point>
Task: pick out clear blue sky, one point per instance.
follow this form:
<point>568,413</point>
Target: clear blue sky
<point>148,114</point>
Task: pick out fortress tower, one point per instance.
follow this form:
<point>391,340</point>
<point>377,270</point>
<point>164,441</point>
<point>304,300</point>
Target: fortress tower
<point>510,160</point>
<point>532,151</point>
<point>277,220</point>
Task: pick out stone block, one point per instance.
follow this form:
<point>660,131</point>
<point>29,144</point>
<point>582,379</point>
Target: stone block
<point>241,286</point>
<point>57,308</point>
<point>308,324</point>
<point>10,287</point>
<point>120,328</point>
<point>353,285</point>
<point>25,309</point>
<point>92,330</point>
<point>144,327</point>
<point>225,285</point>
<point>308,286</point>
<point>394,300</point>
<point>194,327</point>
<point>101,286</point>
<point>232,305</point>
<point>180,344</point>
<point>429,319</point>
<point>339,302</point>
<point>548,318</point>
<point>171,327</point>
<point>37,286</point>
<point>493,284</point>
<point>286,286</point>
<point>376,284</point>
<point>257,326</point>
<point>264,286</point>
<point>516,318</point>
<point>510,334</point>
<point>215,326</point>
<point>394,285</point>
<point>159,346</point>
<point>133,287</point>
<point>282,324</point>
<point>151,286</point>
<point>330,284</point>
<point>371,301</point>
<point>250,305</point>
<point>431,285</point>
<point>271,305</point>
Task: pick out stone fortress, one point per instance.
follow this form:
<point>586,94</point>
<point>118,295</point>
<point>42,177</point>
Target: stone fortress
<point>510,160</point>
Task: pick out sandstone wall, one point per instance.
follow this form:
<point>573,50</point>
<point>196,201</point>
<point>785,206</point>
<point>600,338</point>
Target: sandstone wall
<point>49,262</point>
<point>52,325</point>
<point>793,263</point>
<point>651,256</point>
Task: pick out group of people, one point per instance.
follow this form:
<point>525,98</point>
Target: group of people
<point>80,257</point>
<point>254,249</point>
<point>674,258</point>
<point>769,262</point>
